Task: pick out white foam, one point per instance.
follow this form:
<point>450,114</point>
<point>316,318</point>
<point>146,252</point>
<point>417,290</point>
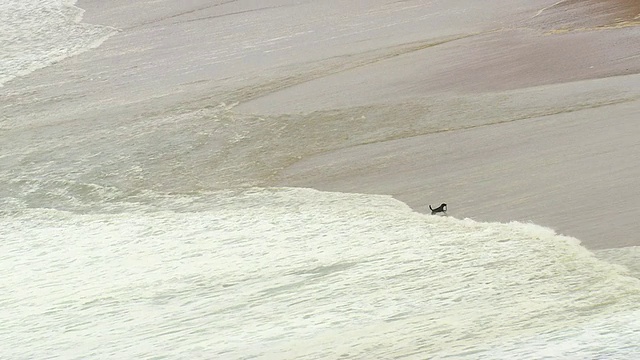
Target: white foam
<point>297,273</point>
<point>628,257</point>
<point>37,33</point>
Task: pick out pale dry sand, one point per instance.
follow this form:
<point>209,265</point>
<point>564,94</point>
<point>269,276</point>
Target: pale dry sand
<point>507,110</point>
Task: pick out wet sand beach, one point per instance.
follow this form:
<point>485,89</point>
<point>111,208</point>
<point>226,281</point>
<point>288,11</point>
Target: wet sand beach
<point>551,107</point>
<point>507,111</point>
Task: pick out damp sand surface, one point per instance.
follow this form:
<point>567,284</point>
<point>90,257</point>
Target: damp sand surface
<point>518,112</point>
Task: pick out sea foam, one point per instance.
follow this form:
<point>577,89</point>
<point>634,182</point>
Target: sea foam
<point>37,33</point>
<point>296,273</point>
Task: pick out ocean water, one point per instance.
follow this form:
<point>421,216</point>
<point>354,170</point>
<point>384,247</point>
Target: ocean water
<point>38,33</point>
<point>96,262</point>
<point>288,273</point>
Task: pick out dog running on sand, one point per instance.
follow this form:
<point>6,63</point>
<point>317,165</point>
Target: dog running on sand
<point>440,209</point>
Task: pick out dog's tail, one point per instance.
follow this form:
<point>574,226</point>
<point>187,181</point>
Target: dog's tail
<point>430,208</point>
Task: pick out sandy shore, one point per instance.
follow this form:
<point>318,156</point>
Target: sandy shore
<point>575,172</point>
<point>506,110</point>
<point>570,164</point>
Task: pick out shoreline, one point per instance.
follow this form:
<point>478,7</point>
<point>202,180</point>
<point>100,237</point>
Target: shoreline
<point>554,177</point>
<point>504,123</point>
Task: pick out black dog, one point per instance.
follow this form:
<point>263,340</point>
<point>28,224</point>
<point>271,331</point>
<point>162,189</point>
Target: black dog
<point>442,208</point>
